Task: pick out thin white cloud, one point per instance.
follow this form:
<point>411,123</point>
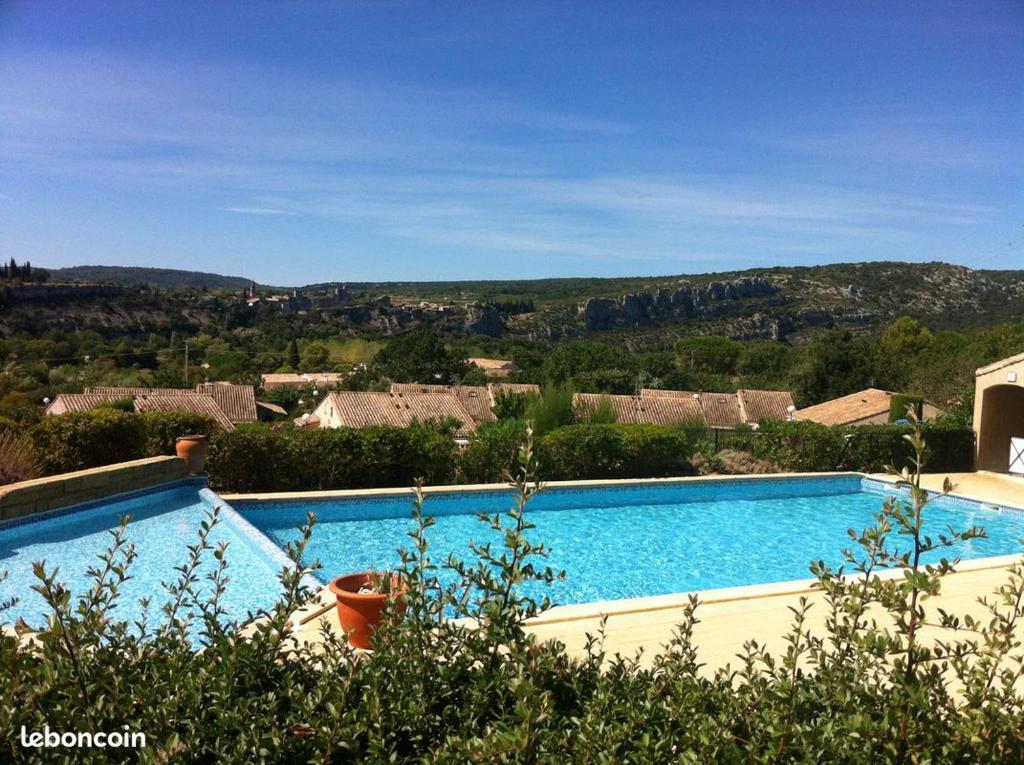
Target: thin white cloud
<point>256,211</point>
<point>431,166</point>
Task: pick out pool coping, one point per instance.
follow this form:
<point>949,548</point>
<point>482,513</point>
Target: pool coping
<point>472,488</point>
<point>646,604</point>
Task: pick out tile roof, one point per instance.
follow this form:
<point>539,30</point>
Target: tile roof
<point>727,410</point>
<point>721,410</point>
<point>280,378</point>
<point>852,408</point>
<point>671,410</point>
<point>271,407</point>
<point>645,392</point>
<point>271,379</point>
<point>122,392</point>
<point>641,410</point>
<point>79,402</point>
<point>357,409</point>
<point>474,398</point>
<point>238,402</point>
<point>757,405</point>
<point>198,403</point>
<point>625,406</point>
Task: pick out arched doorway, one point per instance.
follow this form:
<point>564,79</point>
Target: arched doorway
<point>1001,419</point>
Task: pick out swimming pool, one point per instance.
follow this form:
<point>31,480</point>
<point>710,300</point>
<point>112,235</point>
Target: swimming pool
<point>614,540</point>
<point>163,523</point>
<point>625,541</point>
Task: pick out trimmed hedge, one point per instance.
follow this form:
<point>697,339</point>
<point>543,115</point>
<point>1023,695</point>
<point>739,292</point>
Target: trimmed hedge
<point>254,458</point>
<point>162,429</point>
<point>579,452</point>
<point>105,435</point>
<point>81,440</point>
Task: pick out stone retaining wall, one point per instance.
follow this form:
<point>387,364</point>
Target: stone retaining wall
<point>54,492</point>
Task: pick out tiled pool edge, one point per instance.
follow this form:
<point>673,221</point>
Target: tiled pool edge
<point>492,488</point>
<point>255,538</point>
<point>192,480</point>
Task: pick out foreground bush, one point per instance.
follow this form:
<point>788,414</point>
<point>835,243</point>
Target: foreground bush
<point>484,690</point>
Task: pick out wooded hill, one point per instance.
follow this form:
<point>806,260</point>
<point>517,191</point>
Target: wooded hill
<point>774,303</point>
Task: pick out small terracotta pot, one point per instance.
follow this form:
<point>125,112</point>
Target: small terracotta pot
<point>193,449</point>
<point>361,613</point>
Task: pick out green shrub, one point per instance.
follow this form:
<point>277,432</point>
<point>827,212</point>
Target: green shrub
<point>491,452</point>
<point>249,458</point>
<point>580,452</point>
<point>601,413</point>
<point>255,458</point>
<point>551,409</point>
<point>80,440</point>
<point>163,428</point>
<point>810,447</point>
<point>900,402</point>
<point>511,405</point>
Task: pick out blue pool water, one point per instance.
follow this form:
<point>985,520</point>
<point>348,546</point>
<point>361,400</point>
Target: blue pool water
<point>164,522</point>
<point>639,540</point>
<point>613,542</point>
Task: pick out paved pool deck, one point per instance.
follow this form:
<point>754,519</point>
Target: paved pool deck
<point>730,617</point>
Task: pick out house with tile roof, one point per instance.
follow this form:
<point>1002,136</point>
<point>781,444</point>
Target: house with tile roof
<point>505,388</point>
<point>999,416</point>
<point>178,401</point>
<point>759,405</point>
<point>196,403</point>
<point>236,402</point>
<point>359,409</point>
<point>870,406</point>
<point>476,399</point>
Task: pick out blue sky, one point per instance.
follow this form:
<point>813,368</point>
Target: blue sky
<point>296,142</point>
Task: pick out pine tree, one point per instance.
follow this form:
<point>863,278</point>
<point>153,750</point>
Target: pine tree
<point>293,354</point>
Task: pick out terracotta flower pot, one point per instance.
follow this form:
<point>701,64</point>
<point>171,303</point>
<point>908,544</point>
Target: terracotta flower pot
<point>193,449</point>
<point>360,613</point>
